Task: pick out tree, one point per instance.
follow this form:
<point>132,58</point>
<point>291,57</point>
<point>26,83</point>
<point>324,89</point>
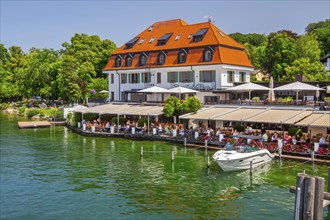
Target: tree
<point>280,53</point>
<point>313,71</point>
<point>321,30</point>
<point>172,107</point>
<point>191,104</point>
<point>252,39</point>
<point>308,47</point>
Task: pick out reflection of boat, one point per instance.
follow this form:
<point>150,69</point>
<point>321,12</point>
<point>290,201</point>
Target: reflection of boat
<point>234,158</point>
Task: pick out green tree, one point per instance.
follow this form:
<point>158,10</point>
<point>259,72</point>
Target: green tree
<point>308,47</point>
<point>172,107</point>
<point>280,53</point>
<point>321,30</point>
<point>191,104</point>
<point>252,39</point>
<point>313,71</point>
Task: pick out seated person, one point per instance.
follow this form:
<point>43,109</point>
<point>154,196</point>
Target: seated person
<point>160,129</point>
<point>322,140</point>
<point>107,127</point>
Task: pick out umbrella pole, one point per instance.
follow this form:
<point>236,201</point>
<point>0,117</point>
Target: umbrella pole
<point>297,97</point>
<point>249,95</point>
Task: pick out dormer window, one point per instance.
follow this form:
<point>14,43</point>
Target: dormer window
<point>199,35</point>
<point>118,61</point>
<point>161,58</point>
<point>131,43</point>
<point>128,61</point>
<point>208,54</point>
<point>178,37</point>
<point>163,40</point>
<point>182,56</point>
<point>151,40</point>
<point>143,59</point>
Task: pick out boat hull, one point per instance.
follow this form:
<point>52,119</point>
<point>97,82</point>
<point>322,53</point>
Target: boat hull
<point>235,161</point>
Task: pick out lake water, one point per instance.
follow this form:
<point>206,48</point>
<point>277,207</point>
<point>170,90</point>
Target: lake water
<point>53,173</point>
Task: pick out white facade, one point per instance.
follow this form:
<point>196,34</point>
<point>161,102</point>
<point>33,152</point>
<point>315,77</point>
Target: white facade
<point>222,79</point>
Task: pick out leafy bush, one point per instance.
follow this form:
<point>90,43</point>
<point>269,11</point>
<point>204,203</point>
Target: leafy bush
<point>122,120</point>
<point>238,127</point>
<point>76,118</point>
<point>90,116</point>
<point>32,112</point>
<point>59,113</point>
<point>21,110</point>
<point>295,131</point>
<point>141,122</point>
<point>4,106</point>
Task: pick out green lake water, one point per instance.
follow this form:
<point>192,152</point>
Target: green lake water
<point>53,173</point>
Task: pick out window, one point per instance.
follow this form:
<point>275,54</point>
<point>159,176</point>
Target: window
<point>141,41</point>
<point>146,77</point>
<point>118,61</point>
<point>151,40</point>
<point>230,76</point>
<point>172,77</point>
<point>161,59</point>
<point>242,76</point>
<point>159,78</point>
<point>199,35</point>
<point>134,78</point>
<point>182,56</point>
<point>178,37</point>
<point>123,78</point>
<point>128,61</point>
<point>131,43</point>
<point>207,55</point>
<point>186,77</point>
<point>150,28</point>
<point>207,76</point>
<point>163,40</point>
<point>142,60</point>
<point>189,36</point>
<point>112,78</point>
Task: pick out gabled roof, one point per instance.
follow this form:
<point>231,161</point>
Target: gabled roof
<point>226,50</point>
<point>213,37</point>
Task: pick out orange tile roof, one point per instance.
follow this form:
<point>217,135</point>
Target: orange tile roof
<point>227,50</point>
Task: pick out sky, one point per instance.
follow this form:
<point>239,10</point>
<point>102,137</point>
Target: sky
<point>49,23</point>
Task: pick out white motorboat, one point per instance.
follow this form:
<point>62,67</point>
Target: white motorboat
<point>234,158</point>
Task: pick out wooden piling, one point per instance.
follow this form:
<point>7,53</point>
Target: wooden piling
<point>185,141</point>
<point>250,168</point>
<point>208,161</point>
<point>308,203</point>
<point>141,153</point>
<point>301,184</point>
<point>172,157</point>
<point>319,194</point>
<point>329,179</point>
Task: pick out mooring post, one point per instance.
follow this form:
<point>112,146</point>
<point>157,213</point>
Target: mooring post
<point>208,161</point>
<point>141,154</point>
<point>318,200</point>
<point>172,158</point>
<point>312,155</point>
<point>297,204</point>
<point>300,183</point>
<point>329,179</point>
<point>308,203</point>
<point>205,144</point>
<point>251,168</point>
<point>185,141</point>
<point>280,152</point>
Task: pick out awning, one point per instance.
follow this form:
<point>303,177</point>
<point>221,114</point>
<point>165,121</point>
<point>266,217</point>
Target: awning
<point>208,113</point>
<point>239,114</point>
<point>316,120</point>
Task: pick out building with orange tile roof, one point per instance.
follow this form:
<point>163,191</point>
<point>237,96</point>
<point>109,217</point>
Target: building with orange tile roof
<point>173,53</point>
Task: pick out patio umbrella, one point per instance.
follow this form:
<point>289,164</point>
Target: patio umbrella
<point>103,91</point>
<point>153,89</point>
<point>297,87</point>
<point>248,87</point>
<point>271,94</point>
<point>181,90</point>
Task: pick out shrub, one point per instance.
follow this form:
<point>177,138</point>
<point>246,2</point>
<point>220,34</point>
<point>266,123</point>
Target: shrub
<point>141,122</point>
<point>32,112</point>
<point>76,118</point>
<point>295,131</point>
<point>59,113</point>
<point>238,127</point>
<point>90,116</point>
<point>21,110</point>
<point>122,120</point>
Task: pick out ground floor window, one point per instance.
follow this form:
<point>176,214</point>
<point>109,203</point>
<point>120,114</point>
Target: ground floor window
<point>207,76</point>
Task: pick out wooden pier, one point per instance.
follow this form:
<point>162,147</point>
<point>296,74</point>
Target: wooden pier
<point>33,124</point>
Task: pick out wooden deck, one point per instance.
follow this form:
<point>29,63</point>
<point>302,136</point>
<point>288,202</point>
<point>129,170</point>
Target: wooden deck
<point>33,124</point>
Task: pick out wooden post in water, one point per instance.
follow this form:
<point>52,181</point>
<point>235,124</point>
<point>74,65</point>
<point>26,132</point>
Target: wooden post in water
<point>208,161</point>
<point>308,211</point>
<point>141,153</point>
<point>185,141</point>
<point>319,194</point>
<point>172,157</point>
<point>312,155</point>
<point>329,179</point>
<point>250,168</point>
<point>300,183</point>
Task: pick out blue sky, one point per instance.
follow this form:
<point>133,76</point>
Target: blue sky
<point>47,24</point>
